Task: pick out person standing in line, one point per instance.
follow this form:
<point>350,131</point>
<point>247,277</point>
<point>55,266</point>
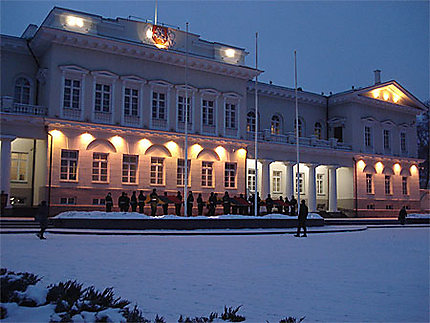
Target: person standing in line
<point>127,203</point>
<point>234,206</point>
<point>226,203</point>
<point>108,202</point>
<point>154,202</point>
<point>141,200</point>
<point>269,204</point>
<point>165,206</point>
<point>402,215</point>
<point>133,202</point>
<point>178,204</point>
<point>251,200</point>
<point>121,202</point>
<point>190,203</point>
<point>212,204</point>
<point>42,218</point>
<point>241,206</point>
<point>258,203</point>
<point>287,206</point>
<point>200,204</point>
<point>303,214</point>
<point>280,206</point>
<point>293,204</point>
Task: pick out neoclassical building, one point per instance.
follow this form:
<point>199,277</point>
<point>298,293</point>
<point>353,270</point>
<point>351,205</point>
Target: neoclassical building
<point>91,105</point>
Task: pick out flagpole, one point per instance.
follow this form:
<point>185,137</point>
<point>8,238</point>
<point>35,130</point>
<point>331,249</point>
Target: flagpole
<point>297,134</point>
<point>256,128</point>
<point>186,123</point>
<point>155,14</point>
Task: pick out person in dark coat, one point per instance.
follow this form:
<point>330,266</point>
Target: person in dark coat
<point>212,204</point>
<point>154,202</point>
<point>127,203</point>
<point>287,206</point>
<point>108,202</point>
<point>190,203</point>
<point>141,201</point>
<point>133,202</point>
<point>42,218</point>
<point>178,204</point>
<point>122,200</point>
<point>165,206</point>
<point>280,206</point>
<point>234,207</point>
<point>251,200</point>
<point>269,204</point>
<point>200,204</point>
<point>258,203</point>
<point>226,203</point>
<point>402,215</point>
<point>242,208</point>
<point>293,204</point>
<point>303,214</point>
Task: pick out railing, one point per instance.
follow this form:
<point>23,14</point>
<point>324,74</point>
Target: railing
<point>72,114</point>
<point>159,124</point>
<point>131,120</point>
<point>104,117</point>
<point>8,106</point>
<point>181,127</point>
<point>208,129</point>
<point>232,133</point>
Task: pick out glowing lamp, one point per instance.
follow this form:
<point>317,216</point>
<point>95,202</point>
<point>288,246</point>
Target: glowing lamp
<point>396,98</point>
<point>73,21</point>
<point>195,149</point>
<point>149,33</point>
<point>386,96</point>
<point>55,133</point>
<point>241,152</point>
<point>229,52</point>
<point>375,94</point>
<point>117,140</point>
<point>220,150</point>
<point>414,170</point>
<point>144,144</point>
<point>379,167</point>
<point>172,146</point>
<point>397,168</point>
<point>361,164</point>
<point>87,137</point>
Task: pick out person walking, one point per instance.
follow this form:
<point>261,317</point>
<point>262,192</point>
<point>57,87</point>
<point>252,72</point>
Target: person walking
<point>141,201</point>
<point>303,214</point>
<point>190,203</point>
<point>402,215</point>
<point>178,204</point>
<point>200,204</point>
<point>42,218</point>
<point>226,203</point>
<point>108,202</point>
<point>293,204</point>
<point>165,206</point>
<point>122,200</point>
<point>133,202</point>
<point>269,204</point>
<point>154,202</point>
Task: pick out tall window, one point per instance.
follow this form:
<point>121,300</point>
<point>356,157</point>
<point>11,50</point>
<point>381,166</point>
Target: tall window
<point>251,179</point>
<point>22,91</point>
<point>338,133</point>
<point>129,168</point>
<point>72,93</point>
<point>318,130</point>
<point>403,141</point>
<point>230,175</point>
<point>208,112</point>
<point>18,166</point>
<point>157,170</point>
<point>181,109</point>
<point>131,102</point>
<point>405,185</point>
<point>367,136</point>
<point>387,143</point>
<point>320,184</point>
<point>158,105</point>
<point>180,174</point>
<point>69,165</point>
<point>387,185</point>
<point>369,183</point>
<point>276,181</point>
<point>230,116</point>
<point>102,98</point>
<point>100,167</point>
<point>207,174</point>
<point>275,125</point>
<point>250,121</point>
<point>300,185</point>
<point>300,127</point>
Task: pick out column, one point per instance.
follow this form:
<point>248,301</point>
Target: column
<point>5,165</point>
<point>289,179</point>
<point>312,196</point>
<point>265,178</point>
<point>332,193</point>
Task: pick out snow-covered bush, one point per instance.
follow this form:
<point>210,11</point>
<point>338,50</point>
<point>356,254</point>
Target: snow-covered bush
<point>291,319</point>
<point>12,284</point>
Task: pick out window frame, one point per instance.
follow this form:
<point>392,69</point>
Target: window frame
<point>73,72</point>
<point>230,175</point>
<point>28,87</point>
<point>159,171</point>
<point>276,181</point>
<point>319,180</point>
<point>250,179</point>
<point>405,185</point>
<point>99,174</point>
<point>207,174</point>
<point>388,185</point>
<point>275,125</point>
<point>251,122</point>
<point>180,172</point>
<point>68,166</point>
<point>301,183</point>
<point>318,130</point>
<point>19,167</point>
<point>369,183</point>
<point>128,169</point>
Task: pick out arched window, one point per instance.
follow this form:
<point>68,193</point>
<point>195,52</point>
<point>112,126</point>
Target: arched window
<point>250,121</point>
<point>300,127</point>
<point>318,130</point>
<point>275,126</point>
<point>22,91</point>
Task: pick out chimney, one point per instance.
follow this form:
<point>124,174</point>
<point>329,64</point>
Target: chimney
<point>377,76</point>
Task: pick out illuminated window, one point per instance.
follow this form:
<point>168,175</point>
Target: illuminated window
<point>181,109</point>
<point>18,166</point>
<point>230,175</point>
<point>208,112</point>
<point>180,174</point>
<point>276,181</point>
<point>369,183</point>
<point>318,130</point>
<point>275,125</point>
<point>129,168</point>
<point>230,116</point>
<point>405,186</point>
<point>102,98</point>
<point>387,139</point>
<point>403,142</point>
<point>387,185</point>
<point>158,106</point>
<point>207,174</point>
<point>22,91</point>
<point>301,183</point>
<point>157,171</point>
<point>131,102</point>
<point>251,179</point>
<point>100,167</point>
<point>368,136</point>
<point>320,184</point>
<point>250,121</point>
<point>71,94</point>
<point>69,165</point>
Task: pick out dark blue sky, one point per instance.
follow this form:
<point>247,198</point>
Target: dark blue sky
<point>339,43</point>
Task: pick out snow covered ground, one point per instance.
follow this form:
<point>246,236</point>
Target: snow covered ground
<point>377,275</point>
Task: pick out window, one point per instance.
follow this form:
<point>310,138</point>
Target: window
<point>276,181</point>
<point>318,130</point>
<point>131,102</point>
<point>370,206</point>
<point>208,112</point>
<point>22,91</point>
<point>250,122</point>
<point>102,98</point>
<point>275,126</point>
<point>301,185</point>
<point>320,184</point>
<point>180,174</point>
<point>388,207</point>
<point>405,185</point>
<point>158,105</point>
<point>157,171</point>
<point>18,167</point>
<point>367,136</point>
<point>68,200</point>
<point>129,168</point>
<point>387,185</point>
<point>403,141</point>
<point>230,175</point>
<point>387,143</point>
<point>230,116</point>
<point>369,183</point>
<point>100,167</point>
<point>207,170</point>
<point>181,109</point>
<point>69,165</point>
<point>99,201</point>
<point>300,127</point>
<point>251,179</point>
<point>338,133</point>
<point>72,93</point>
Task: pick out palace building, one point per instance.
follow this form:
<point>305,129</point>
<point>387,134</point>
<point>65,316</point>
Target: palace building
<point>91,105</point>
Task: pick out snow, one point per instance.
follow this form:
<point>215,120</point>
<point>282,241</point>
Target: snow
<point>418,216</point>
<point>378,275</point>
<point>135,215</point>
<point>27,314</point>
<point>36,292</point>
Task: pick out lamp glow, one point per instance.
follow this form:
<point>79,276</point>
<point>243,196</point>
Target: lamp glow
<point>379,167</point>
<point>144,144</point>
<point>117,140</point>
<point>195,149</point>
<point>229,52</point>
<point>361,164</point>
<point>173,147</point>
<point>56,133</point>
<point>414,170</point>
<point>87,137</point>
<point>149,33</point>
<point>241,152</point>
<point>397,168</point>
<point>376,94</point>
<point>396,98</point>
<point>74,21</point>
<point>220,150</point>
<point>386,96</point>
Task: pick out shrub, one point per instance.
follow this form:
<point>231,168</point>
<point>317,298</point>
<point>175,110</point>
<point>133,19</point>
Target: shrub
<point>134,315</point>
<point>11,282</point>
<point>3,312</point>
<point>95,301</point>
<point>159,319</point>
<point>230,314</point>
<point>65,295</point>
<point>291,319</point>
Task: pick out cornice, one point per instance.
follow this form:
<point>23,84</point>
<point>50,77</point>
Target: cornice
<point>14,44</point>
